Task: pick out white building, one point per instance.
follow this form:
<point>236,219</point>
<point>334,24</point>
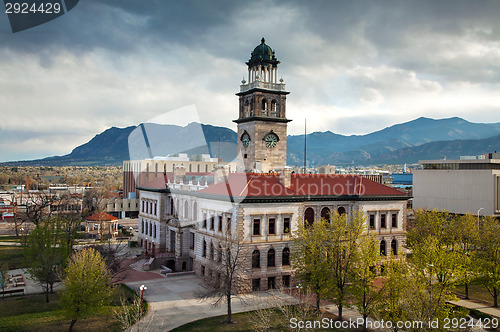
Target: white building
<point>459,186</point>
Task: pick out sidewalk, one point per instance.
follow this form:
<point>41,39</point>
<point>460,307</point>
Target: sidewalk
<point>173,303</point>
<point>489,310</point>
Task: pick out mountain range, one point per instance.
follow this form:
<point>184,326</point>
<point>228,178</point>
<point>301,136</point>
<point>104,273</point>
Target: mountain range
<point>408,142</point>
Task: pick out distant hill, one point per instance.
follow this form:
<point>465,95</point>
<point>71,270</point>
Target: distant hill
<point>330,148</point>
<point>408,142</point>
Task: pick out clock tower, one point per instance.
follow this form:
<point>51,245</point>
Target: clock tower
<point>262,118</point>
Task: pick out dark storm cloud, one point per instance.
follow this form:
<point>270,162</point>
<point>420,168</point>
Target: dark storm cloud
<point>122,62</point>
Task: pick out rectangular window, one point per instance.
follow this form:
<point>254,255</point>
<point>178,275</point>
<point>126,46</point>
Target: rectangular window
<point>272,226</point>
<point>256,227</point>
<point>255,285</point>
<point>228,225</point>
<point>191,241</point>
<point>383,223</point>
<point>220,223</point>
<point>205,220</point>
<point>286,225</point>
<point>286,280</point>
<point>394,220</point>
<point>271,283</point>
<point>372,221</point>
<point>212,222</point>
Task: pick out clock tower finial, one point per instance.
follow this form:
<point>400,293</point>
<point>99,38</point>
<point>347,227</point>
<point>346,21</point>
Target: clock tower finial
<point>262,122</point>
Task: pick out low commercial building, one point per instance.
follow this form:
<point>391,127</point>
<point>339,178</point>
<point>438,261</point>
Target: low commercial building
<point>468,185</point>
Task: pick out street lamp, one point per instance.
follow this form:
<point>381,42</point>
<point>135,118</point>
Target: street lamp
<point>478,217</point>
<point>142,288</point>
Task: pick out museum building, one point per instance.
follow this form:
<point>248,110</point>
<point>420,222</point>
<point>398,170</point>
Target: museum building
<point>185,222</point>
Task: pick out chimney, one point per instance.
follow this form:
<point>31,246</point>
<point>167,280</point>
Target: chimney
<point>285,176</point>
<point>221,173</point>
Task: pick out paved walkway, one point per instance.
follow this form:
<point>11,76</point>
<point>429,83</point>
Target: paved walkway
<point>173,302</point>
<point>30,286</point>
<point>494,312</point>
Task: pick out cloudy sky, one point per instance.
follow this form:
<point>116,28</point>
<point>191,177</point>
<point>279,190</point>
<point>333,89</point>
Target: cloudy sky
<point>352,67</point>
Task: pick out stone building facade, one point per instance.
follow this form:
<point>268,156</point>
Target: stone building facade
<point>259,207</point>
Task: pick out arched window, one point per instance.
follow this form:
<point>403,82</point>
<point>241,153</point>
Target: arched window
<point>383,251</point>
<point>185,179</point>
<point>186,210</point>
<point>171,205</point>
<point>190,168</point>
<point>394,247</point>
<point>271,255</point>
<point>193,180</point>
<point>198,168</point>
<point>195,211</point>
<point>325,213</point>
<point>255,259</point>
<point>309,216</point>
<point>264,105</point>
<point>285,257</point>
<point>341,210</point>
<point>273,108</point>
<point>206,168</point>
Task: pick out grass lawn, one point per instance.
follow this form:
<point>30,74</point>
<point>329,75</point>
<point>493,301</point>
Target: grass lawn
<point>12,256</point>
<point>241,322</point>
<point>31,313</point>
<point>476,292</point>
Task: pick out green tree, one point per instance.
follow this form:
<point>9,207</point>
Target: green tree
<point>343,243</point>
<point>310,256</point>
<point>466,235</point>
<point>46,251</point>
<point>365,293</point>
<point>393,295</point>
<point>489,257</point>
<point>87,285</point>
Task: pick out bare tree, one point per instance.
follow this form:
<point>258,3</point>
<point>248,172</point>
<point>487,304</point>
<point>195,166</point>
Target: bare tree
<point>114,254</point>
<point>128,313</point>
<point>276,311</point>
<point>95,202</point>
<point>228,260</point>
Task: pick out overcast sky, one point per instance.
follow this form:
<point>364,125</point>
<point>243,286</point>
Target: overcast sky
<point>352,67</point>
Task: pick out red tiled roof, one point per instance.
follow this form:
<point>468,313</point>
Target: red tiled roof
<point>249,184</point>
<point>101,216</point>
<point>156,183</point>
<point>261,185</point>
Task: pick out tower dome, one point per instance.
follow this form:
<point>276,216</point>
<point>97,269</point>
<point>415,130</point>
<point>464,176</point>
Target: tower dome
<point>262,54</point>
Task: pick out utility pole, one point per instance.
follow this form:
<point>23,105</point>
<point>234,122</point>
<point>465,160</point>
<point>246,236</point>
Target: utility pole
<point>305,145</point>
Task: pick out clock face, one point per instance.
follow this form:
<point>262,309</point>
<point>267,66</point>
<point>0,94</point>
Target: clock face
<point>245,139</point>
<point>271,140</point>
